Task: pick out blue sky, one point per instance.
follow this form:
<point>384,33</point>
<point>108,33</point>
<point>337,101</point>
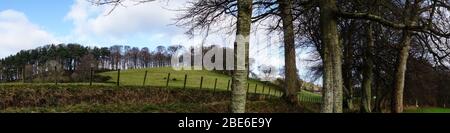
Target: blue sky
<point>47,13</point>
<point>27,24</point>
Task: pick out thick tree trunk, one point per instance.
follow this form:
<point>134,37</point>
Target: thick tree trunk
<point>240,75</point>
<point>412,11</point>
<point>332,79</point>
<point>289,51</point>
<point>397,102</point>
<point>366,98</point>
<point>347,68</point>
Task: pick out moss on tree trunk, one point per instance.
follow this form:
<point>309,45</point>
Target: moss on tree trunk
<point>240,75</point>
<point>332,80</point>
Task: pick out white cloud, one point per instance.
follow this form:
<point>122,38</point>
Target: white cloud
<point>151,22</point>
<point>18,33</point>
<point>147,18</point>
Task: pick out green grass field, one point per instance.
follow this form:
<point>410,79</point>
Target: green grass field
<point>306,96</point>
<point>428,110</point>
<point>158,77</point>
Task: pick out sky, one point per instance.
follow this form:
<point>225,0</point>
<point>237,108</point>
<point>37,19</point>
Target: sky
<point>28,24</point>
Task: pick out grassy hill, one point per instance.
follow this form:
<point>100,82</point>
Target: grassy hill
<point>132,96</point>
<point>158,77</point>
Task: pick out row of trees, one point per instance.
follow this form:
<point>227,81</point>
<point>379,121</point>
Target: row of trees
<point>74,59</point>
<point>360,44</point>
<point>393,32</point>
<point>202,15</point>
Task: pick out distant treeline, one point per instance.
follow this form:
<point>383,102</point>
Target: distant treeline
<point>73,62</point>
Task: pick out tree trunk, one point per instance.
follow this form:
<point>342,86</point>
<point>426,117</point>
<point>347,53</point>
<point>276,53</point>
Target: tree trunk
<point>367,73</point>
<point>289,51</point>
<point>332,79</point>
<point>240,75</point>
<point>347,67</point>
<point>397,102</point>
<point>412,11</point>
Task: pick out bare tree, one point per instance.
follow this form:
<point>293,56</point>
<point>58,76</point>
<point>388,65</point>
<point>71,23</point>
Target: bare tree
<point>289,50</point>
<point>133,54</point>
<point>268,72</point>
<point>145,57</point>
<point>116,53</point>
<point>82,72</point>
<point>116,3</point>
<point>160,55</point>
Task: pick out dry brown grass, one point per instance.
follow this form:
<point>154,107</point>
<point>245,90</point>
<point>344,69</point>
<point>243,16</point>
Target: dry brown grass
<point>160,100</point>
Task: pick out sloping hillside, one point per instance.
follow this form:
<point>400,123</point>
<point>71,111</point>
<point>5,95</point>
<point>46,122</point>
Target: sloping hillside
<point>158,77</point>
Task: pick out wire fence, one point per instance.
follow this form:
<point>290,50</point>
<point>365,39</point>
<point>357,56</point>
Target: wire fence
<point>91,77</point>
<point>214,84</point>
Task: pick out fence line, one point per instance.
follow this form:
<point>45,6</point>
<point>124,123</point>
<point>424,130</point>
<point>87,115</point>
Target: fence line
<point>147,76</point>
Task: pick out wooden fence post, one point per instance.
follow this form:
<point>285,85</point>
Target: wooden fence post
<point>168,79</point>
<point>228,85</point>
<point>145,77</point>
<point>248,87</point>
<point>118,77</point>
<point>201,83</point>
<point>185,79</point>
<point>215,85</point>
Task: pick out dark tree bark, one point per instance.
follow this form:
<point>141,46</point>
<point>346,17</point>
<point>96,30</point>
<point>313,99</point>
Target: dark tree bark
<point>289,51</point>
<point>347,66</point>
<point>332,79</point>
<point>366,97</point>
